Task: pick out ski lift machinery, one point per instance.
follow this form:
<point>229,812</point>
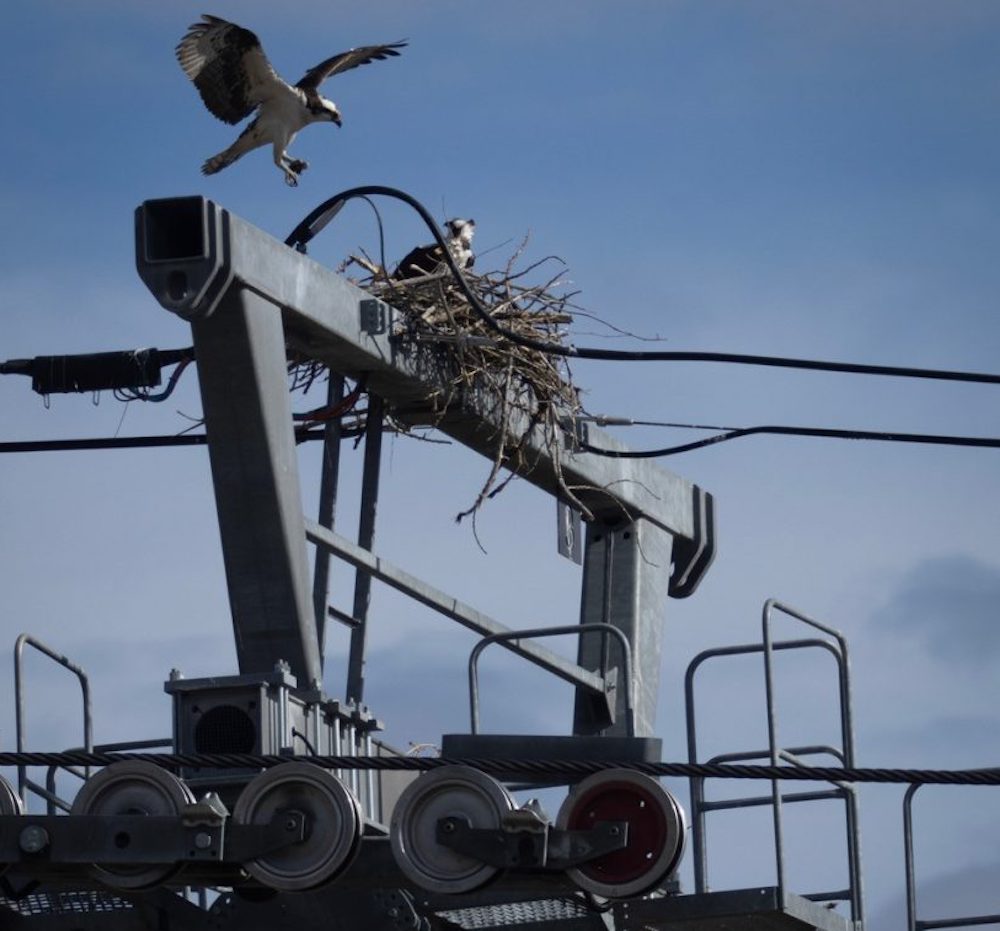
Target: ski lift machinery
<point>245,830</point>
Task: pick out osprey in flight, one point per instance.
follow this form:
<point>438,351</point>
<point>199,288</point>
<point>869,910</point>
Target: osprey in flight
<point>234,77</point>
<point>425,260</point>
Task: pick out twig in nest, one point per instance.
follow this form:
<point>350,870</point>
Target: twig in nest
<point>497,460</point>
<point>525,392</point>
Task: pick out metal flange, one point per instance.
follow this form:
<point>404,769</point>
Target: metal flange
<point>332,829</point>
<point>656,831</point>
<point>10,804</point>
<point>136,788</point>
<point>451,792</point>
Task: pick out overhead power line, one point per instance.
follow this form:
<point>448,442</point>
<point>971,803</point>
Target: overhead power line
<point>734,433</point>
<point>315,221</point>
<point>136,442</point>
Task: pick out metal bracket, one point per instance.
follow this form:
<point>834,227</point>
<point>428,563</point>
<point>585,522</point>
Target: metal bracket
<point>397,906</point>
<point>520,845</point>
<point>56,839</point>
<point>569,527</point>
<point>375,316</point>
<point>249,841</point>
<point>692,557</point>
<point>207,819</point>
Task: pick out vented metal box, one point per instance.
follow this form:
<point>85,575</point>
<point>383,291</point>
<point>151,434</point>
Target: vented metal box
<point>257,714</point>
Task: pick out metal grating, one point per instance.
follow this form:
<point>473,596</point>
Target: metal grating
<point>64,903</point>
<point>512,914</point>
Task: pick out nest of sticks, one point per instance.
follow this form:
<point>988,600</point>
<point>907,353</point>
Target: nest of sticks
<point>527,393</point>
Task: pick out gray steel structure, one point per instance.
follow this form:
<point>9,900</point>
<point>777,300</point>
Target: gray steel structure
<point>250,300</point>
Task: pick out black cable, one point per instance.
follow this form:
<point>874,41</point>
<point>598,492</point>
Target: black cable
<point>529,767</point>
<point>138,442</point>
<point>736,433</point>
<point>297,733</point>
<point>141,394</point>
<point>117,442</point>
<point>381,230</point>
<point>315,221</point>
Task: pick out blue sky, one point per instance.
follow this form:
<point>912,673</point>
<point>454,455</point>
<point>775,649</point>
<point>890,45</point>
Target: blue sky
<point>806,179</point>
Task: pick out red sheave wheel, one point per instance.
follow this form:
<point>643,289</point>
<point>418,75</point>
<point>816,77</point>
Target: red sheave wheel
<point>656,831</point>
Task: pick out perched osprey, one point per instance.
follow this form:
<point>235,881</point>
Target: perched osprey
<point>234,77</point>
<point>425,260</point>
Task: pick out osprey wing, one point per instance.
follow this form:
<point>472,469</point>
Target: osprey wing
<point>347,60</point>
<point>228,66</point>
<point>423,260</point>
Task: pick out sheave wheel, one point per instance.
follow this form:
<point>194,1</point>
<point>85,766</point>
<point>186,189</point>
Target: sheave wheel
<point>333,825</point>
<point>448,792</point>
<point>656,831</point>
<point>133,787</point>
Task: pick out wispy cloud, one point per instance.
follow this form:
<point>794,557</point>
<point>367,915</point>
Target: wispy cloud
<point>951,605</point>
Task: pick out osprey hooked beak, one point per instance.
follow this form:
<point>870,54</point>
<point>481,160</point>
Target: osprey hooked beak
<point>331,111</point>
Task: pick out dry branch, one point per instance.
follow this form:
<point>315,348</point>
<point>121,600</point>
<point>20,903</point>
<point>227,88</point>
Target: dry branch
<point>528,392</point>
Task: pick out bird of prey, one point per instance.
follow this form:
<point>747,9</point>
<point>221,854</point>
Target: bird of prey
<point>234,77</point>
<point>425,260</point>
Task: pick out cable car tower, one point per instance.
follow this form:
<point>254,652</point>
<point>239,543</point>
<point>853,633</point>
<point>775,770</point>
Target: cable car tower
<point>246,829</point>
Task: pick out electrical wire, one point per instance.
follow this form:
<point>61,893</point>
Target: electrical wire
<point>322,215</point>
<point>138,394</point>
<point>734,433</point>
<point>331,412</point>
<point>142,442</point>
<point>381,229</point>
<point>308,744</point>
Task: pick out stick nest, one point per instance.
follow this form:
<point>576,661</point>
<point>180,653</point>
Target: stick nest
<point>526,392</point>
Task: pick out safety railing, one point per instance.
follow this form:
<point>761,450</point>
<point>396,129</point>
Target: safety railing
<point>510,636</point>
<point>835,644</point>
<point>913,922</point>
<point>25,785</point>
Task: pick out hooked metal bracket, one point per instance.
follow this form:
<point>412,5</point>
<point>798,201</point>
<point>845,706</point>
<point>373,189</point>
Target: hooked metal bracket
<point>523,842</point>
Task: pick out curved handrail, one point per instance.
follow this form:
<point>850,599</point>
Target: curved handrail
<point>553,632</point>
<point>912,922</point>
<point>88,728</point>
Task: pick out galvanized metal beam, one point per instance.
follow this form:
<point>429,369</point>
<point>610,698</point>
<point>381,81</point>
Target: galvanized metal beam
<point>366,540</point>
<point>328,484</point>
<point>190,252</point>
<point>626,575</point>
<point>249,297</point>
<point>451,607</point>
<point>248,419</point>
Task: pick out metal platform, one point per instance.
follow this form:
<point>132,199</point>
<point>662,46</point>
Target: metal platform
<point>762,909</point>
<point>503,906</point>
